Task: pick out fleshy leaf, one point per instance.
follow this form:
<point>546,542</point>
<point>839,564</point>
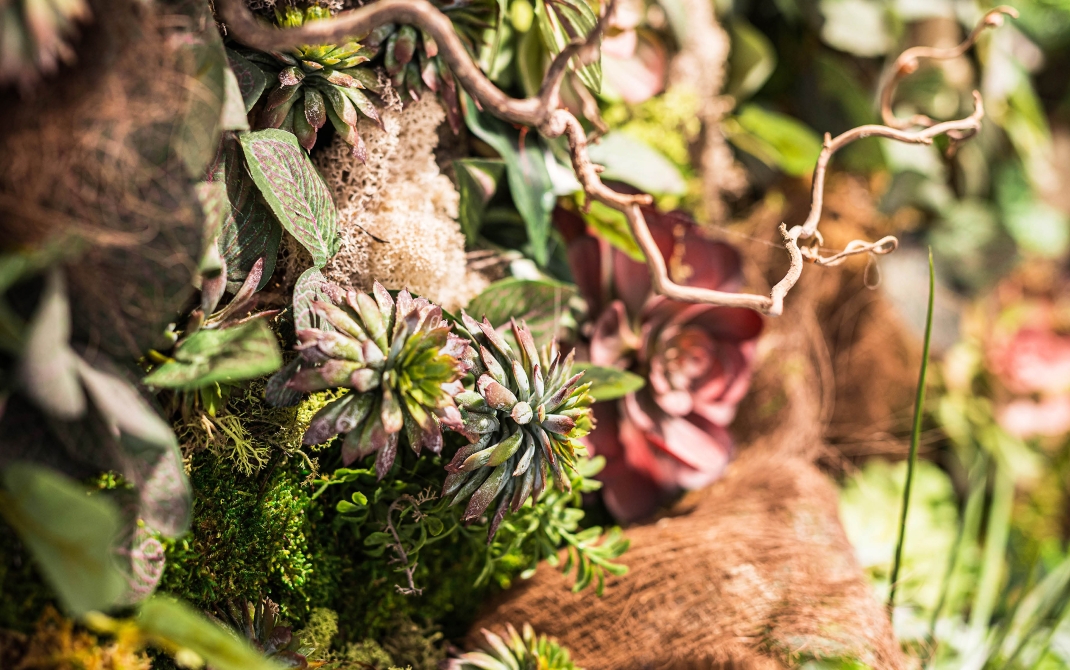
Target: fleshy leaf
<point>294,190</point>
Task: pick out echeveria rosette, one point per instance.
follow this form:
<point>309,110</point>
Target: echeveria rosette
<point>402,363</point>
<point>696,360</point>
<point>523,419</point>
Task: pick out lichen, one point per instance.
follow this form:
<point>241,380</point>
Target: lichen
<point>399,196</point>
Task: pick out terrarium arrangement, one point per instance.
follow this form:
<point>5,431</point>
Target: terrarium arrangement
<point>332,333</point>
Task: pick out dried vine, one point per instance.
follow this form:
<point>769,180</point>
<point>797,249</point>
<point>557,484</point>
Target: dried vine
<point>544,113</point>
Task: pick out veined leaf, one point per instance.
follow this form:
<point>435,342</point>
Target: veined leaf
<point>249,230</point>
<point>294,190</point>
<point>251,79</point>
<point>529,182</point>
<point>560,22</point>
<point>609,383</point>
<point>477,181</point>
<point>212,356</point>
<point>197,136</point>
<point>542,304</point>
<point>176,626</point>
<point>69,532</point>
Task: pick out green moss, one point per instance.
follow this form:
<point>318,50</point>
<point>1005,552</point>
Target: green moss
<point>249,536</point>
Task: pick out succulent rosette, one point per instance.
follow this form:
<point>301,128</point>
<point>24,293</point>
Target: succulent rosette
<point>515,651</point>
<point>400,360</point>
<point>260,624</point>
<point>696,360</point>
<point>522,420</point>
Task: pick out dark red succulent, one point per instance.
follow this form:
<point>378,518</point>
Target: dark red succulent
<point>696,360</point>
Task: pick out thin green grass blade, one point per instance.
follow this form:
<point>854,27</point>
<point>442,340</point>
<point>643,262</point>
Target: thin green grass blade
<point>915,434</point>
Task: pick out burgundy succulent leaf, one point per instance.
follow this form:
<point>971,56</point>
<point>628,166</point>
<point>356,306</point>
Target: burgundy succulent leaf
<point>696,360</point>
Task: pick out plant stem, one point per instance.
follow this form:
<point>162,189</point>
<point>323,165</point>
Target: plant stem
<point>915,434</point>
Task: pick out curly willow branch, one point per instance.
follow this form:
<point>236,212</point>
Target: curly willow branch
<point>544,112</point>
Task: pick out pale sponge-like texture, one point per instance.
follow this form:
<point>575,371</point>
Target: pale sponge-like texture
<point>400,197</point>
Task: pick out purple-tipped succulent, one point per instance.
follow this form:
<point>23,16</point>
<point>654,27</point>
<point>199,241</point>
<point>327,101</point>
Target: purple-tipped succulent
<point>402,363</point>
<point>522,420</point>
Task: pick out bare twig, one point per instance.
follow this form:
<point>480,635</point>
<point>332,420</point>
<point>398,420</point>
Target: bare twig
<point>544,112</point>
<point>400,555</point>
<point>908,63</point>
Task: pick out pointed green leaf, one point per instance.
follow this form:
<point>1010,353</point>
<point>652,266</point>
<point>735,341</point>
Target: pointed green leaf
<point>294,190</point>
<point>234,114</point>
<point>69,532</point>
<point>776,139</point>
<point>560,22</point>
<point>529,181</point>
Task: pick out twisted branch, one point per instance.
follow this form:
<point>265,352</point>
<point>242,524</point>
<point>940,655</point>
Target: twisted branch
<point>544,113</point>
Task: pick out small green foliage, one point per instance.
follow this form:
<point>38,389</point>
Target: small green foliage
<point>248,536</point>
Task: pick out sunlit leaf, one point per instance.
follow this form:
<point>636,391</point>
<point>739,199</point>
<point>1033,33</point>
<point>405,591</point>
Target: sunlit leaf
<point>751,60</point>
<point>636,163</point>
<point>776,139</point>
<point>562,21</point>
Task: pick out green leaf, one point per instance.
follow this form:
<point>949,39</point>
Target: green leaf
<point>434,526</point>
<point>197,136</point>
<point>634,162</point>
<point>213,197</point>
<point>309,287</point>
<point>250,78</point>
<point>234,112</point>
<point>609,383</point>
<point>124,410</point>
<point>177,626</point>
<point>249,230</point>
<point>70,534</point>
<point>751,60</point>
<point>477,181</point>
<point>560,22</point>
<point>212,356</point>
<point>48,370</point>
<point>775,139</point>
<point>612,226</point>
<point>359,498</point>
<point>294,190</point>
<point>859,27</point>
<point>1036,226</point>
<point>539,303</point>
<point>529,181</point>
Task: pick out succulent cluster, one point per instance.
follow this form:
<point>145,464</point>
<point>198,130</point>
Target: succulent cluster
<point>316,84</point>
<point>525,651</point>
<point>259,623</point>
<point>402,363</point>
<point>522,418</point>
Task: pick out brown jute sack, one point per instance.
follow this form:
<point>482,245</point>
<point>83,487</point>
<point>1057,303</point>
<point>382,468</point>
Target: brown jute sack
<point>752,572</point>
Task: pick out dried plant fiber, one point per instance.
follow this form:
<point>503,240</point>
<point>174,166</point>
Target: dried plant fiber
<point>400,197</point>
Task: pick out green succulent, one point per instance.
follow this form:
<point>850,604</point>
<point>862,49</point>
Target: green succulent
<point>518,652</point>
<point>259,623</point>
<point>522,419</point>
<point>402,362</point>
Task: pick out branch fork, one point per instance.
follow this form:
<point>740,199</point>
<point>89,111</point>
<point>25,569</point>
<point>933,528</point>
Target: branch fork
<point>544,112</point>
